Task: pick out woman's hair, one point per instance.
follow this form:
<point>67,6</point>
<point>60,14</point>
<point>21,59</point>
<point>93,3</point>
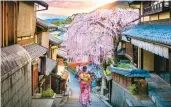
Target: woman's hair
<point>84,68</point>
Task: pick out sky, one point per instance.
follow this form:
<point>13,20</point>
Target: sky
<point>70,7</point>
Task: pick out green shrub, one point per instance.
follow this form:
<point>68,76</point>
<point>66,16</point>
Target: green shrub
<point>133,89</point>
<point>124,65</point>
<point>48,93</point>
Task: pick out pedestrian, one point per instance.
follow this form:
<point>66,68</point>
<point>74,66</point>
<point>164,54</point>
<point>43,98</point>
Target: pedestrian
<point>85,83</point>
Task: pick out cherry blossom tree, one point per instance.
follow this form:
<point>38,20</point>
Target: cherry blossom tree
<point>98,31</point>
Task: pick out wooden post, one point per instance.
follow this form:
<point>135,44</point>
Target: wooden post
<point>140,58</point>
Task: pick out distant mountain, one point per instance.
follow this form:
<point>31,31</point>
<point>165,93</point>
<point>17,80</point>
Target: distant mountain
<point>56,19</point>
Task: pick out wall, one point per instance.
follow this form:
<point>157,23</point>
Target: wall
<point>26,19</point>
<point>120,94</point>
<point>148,60</point>
<point>146,18</point>
<point>45,39</point>
<point>164,15</point>
<point>129,51</point>
<point>154,17</point>
<point>52,53</point>
<point>16,89</point>
<point>9,13</point>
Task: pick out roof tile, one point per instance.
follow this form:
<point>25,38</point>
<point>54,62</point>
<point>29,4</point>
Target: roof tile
<point>13,58</point>
<point>50,65</point>
<point>160,32</point>
<point>35,50</point>
<point>54,40</point>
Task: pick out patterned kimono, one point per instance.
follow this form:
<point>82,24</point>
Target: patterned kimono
<point>85,89</point>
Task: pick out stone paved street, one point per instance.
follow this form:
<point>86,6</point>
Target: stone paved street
<point>160,91</point>
<point>74,98</point>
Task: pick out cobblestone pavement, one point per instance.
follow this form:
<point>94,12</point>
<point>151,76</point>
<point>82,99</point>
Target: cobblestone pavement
<point>74,98</point>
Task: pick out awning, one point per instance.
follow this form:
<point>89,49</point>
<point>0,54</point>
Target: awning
<point>131,72</point>
<point>35,50</point>
<point>54,40</point>
<point>159,50</point>
<point>50,65</point>
<point>159,33</point>
<point>12,59</point>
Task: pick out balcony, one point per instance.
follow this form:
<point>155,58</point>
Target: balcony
<point>157,8</point>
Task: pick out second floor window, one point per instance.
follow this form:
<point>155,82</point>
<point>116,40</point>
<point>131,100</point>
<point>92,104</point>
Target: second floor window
<point>153,7</point>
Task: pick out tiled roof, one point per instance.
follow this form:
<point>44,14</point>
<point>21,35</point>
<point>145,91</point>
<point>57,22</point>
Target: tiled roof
<point>131,72</point>
<point>62,53</point>
<point>152,32</point>
<point>54,40</point>
<point>50,65</point>
<point>45,24</point>
<point>13,58</point>
<point>35,50</point>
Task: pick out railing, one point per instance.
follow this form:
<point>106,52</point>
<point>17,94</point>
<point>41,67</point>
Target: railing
<point>157,8</point>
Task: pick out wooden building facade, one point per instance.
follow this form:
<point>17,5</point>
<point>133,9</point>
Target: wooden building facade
<point>150,40</point>
<point>18,28</point>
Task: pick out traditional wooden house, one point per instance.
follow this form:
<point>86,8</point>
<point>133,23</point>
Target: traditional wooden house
<point>18,28</point>
<point>48,61</point>
<point>149,45</point>
<point>128,77</point>
<point>54,43</point>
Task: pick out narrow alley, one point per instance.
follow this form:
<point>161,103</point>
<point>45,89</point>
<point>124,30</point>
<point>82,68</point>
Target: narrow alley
<point>74,98</point>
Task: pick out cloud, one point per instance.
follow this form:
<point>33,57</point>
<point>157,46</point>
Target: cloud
<point>79,4</point>
<point>70,7</point>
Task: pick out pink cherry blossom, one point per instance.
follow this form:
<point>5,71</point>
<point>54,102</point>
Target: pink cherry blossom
<point>94,33</point>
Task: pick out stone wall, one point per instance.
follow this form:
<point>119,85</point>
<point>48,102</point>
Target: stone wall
<point>16,89</point>
<point>119,96</point>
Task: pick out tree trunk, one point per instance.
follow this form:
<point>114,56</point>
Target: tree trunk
<point>115,43</point>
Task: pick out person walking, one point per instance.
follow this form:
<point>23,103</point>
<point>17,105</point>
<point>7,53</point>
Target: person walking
<point>85,82</point>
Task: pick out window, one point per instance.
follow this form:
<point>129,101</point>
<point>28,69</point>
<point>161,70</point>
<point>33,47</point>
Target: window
<point>9,15</point>
<point>153,7</point>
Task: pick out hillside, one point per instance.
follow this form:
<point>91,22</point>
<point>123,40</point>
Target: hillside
<point>63,22</point>
<point>56,19</point>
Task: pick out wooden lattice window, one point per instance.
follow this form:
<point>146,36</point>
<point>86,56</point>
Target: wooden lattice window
<point>9,16</point>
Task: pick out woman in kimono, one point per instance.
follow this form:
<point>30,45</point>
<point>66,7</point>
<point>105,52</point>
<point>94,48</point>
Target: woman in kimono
<point>85,82</point>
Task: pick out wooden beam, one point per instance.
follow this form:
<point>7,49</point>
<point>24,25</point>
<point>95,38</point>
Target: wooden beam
<point>2,24</point>
<point>26,41</point>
